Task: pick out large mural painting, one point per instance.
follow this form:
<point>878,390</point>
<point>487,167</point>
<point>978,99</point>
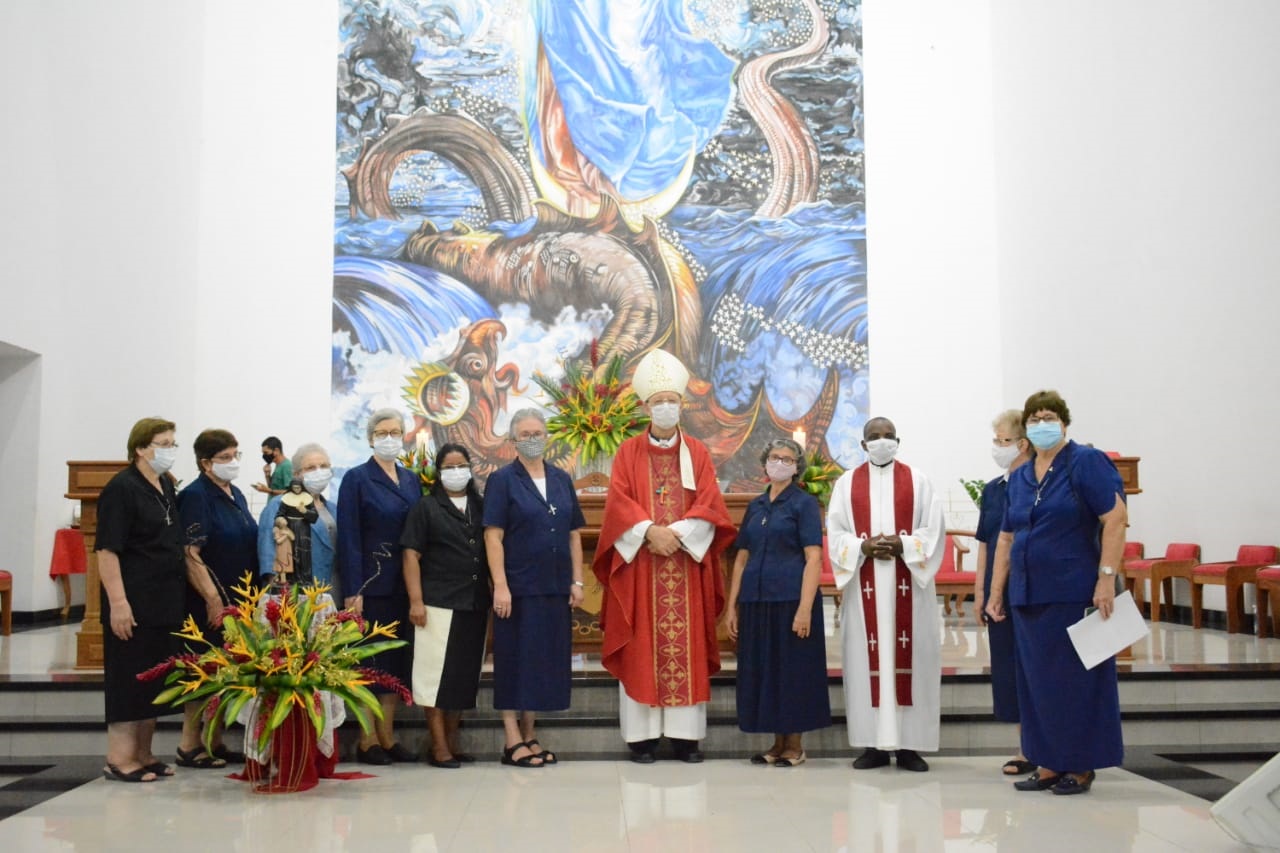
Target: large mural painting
<point>519,179</point>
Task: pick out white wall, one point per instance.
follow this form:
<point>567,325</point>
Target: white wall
<point>1033,170</point>
<point>1137,171</point>
<point>167,237</point>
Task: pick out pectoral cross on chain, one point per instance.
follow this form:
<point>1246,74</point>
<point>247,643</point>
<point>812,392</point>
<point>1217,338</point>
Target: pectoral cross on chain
<point>663,492</point>
<point>551,508</point>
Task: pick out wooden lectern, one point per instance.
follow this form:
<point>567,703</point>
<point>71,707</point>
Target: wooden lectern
<point>85,481</point>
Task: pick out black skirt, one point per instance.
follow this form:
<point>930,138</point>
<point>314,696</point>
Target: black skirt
<point>127,698</point>
<point>447,656</point>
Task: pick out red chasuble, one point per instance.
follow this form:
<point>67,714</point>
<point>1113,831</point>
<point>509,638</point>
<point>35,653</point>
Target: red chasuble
<point>903,524</point>
<point>659,613</point>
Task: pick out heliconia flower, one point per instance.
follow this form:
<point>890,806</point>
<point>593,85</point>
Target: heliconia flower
<point>163,668</point>
<point>386,680</point>
<point>212,708</point>
<point>273,612</point>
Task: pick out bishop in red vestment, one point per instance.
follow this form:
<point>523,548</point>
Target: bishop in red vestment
<point>658,558</point>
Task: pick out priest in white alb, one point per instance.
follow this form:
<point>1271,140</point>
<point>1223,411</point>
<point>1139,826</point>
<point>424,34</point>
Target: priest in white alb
<point>886,536</point>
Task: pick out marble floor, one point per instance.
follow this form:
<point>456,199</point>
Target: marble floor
<point>963,803</point>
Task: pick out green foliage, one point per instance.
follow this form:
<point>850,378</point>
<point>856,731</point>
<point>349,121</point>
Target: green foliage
<point>974,488</point>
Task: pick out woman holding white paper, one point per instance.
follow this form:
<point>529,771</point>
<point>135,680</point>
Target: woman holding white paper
<point>1062,537</point>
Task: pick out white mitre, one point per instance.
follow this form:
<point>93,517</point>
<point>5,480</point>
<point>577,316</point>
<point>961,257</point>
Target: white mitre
<point>659,371</point>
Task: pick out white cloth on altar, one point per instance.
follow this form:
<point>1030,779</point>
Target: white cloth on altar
<point>650,722</point>
<point>890,727</point>
<point>335,710</point>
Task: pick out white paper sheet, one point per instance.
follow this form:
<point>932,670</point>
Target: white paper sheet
<point>1097,639</point>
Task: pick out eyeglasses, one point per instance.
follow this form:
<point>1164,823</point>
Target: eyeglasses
<point>785,460</point>
<point>388,433</point>
<point>521,436</point>
<point>228,457</point>
<point>1004,442</point>
<point>170,446</point>
<point>1043,419</point>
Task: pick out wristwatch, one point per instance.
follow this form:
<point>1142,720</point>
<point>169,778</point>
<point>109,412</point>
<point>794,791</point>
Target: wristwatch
<point>1106,571</point>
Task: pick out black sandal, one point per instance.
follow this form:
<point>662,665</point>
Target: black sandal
<point>547,756</point>
<point>199,759</point>
<point>159,768</point>
<point>1018,767</point>
<point>115,774</point>
<point>526,761</point>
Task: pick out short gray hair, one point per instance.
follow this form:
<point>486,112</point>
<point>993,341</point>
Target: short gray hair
<point>381,415</point>
<point>303,452</point>
<point>524,415</point>
<point>788,444</point>
<point>1011,420</point>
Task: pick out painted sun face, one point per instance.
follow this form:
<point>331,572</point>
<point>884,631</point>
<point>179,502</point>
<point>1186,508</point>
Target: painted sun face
<point>439,394</point>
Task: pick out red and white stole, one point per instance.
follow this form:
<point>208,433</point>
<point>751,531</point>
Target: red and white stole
<point>903,523</point>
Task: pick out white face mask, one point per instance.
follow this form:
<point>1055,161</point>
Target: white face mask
<point>318,480</point>
<point>665,415</point>
<point>388,449</point>
<point>1004,456</point>
<point>227,471</point>
<point>163,459</point>
<point>882,450</point>
<point>455,479</point>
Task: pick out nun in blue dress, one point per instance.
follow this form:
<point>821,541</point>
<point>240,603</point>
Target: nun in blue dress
<point>373,502</point>
<point>1062,537</point>
<point>531,520</point>
<point>774,611</point>
<point>1010,450</point>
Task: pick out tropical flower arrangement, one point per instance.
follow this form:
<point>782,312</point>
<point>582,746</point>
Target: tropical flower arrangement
<point>819,475</point>
<point>593,415</point>
<point>280,651</point>
<point>419,461</point>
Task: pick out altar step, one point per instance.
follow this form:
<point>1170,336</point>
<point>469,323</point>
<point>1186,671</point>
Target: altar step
<point>1205,708</point>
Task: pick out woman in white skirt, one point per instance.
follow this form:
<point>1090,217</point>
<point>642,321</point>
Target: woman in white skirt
<point>447,577</point>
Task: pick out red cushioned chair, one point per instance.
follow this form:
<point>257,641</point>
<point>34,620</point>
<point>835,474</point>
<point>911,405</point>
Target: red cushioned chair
<point>1268,599</point>
<point>1180,560</point>
<point>1233,576</point>
<point>952,582</point>
<point>6,604</point>
<point>1140,571</point>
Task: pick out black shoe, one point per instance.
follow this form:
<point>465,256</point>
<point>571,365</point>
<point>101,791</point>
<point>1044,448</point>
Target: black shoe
<point>1035,782</point>
<point>401,755</point>
<point>444,763</point>
<point>909,759</point>
<point>644,751</point>
<point>687,751</point>
<point>871,758</point>
<point>373,755</point>
<point>1068,784</point>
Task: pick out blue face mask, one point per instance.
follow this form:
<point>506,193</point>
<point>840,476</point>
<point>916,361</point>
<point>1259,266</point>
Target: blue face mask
<point>1044,435</point>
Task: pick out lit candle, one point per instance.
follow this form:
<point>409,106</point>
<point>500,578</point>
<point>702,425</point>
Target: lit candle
<point>423,438</point>
<point>798,437</point>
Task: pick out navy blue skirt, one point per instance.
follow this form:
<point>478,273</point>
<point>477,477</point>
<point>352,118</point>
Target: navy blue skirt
<point>398,662</point>
<point>1004,679</point>
<point>782,679</point>
<point>532,650</point>
<point>1070,715</point>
